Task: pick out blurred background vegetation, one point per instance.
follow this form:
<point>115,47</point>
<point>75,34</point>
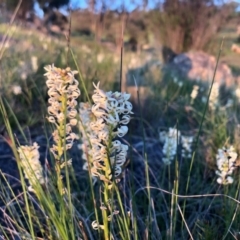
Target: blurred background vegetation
<point>179,25</point>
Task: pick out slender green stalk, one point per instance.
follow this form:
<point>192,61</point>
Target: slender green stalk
<point>80,75</point>
<point>9,188</point>
<point>106,201</point>
<point>145,156</point>
<point>133,204</point>
<point>69,206</point>
<point>16,121</point>
<point>126,227</point>
<point>200,127</point>
<point>175,199</point>
<point>61,144</point>
<point>7,36</point>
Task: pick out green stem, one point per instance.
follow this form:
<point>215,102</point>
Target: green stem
<point>104,212</point>
<point>106,199</point>
<point>60,144</point>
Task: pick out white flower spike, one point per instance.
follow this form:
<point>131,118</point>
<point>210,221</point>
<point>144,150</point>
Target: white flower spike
<point>31,165</point>
<point>100,124</point>
<point>226,159</point>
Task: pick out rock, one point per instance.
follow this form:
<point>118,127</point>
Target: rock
<point>200,66</point>
<point>55,29</point>
<point>235,48</point>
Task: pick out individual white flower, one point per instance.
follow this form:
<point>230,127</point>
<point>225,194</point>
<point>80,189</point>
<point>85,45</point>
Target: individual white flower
<point>16,89</point>
<point>23,75</point>
<point>226,159</point>
<point>31,165</point>
<point>34,61</point>
<point>96,226</point>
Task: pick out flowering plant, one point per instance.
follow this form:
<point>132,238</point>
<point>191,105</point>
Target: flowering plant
<point>108,118</point>
<point>63,92</point>
<point>31,165</point>
<point>226,158</point>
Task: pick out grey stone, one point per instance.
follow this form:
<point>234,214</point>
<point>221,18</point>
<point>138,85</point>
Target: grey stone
<point>200,66</point>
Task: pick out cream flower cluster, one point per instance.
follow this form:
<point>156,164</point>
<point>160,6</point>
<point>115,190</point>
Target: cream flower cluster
<point>226,159</point>
<point>194,93</point>
<point>32,168</point>
<point>237,93</point>
<point>171,141</point>
<point>213,99</point>
<point>111,115</point>
<point>186,142</point>
<point>16,89</point>
<point>63,92</point>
